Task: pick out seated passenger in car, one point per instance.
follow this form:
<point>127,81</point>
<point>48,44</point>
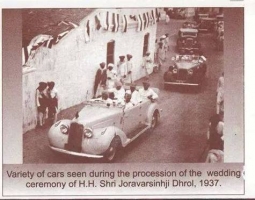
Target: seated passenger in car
<point>105,98</point>
<point>127,103</point>
<point>118,92</point>
<point>147,93</point>
<point>135,97</point>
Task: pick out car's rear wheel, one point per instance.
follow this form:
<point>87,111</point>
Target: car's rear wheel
<point>111,152</point>
<point>154,120</point>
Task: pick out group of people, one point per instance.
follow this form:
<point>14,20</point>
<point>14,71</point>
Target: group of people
<point>128,98</point>
<point>47,102</point>
<point>216,125</point>
<point>161,47</point>
<point>107,76</point>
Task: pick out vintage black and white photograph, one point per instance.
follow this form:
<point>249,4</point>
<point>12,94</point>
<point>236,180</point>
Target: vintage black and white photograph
<point>123,85</point>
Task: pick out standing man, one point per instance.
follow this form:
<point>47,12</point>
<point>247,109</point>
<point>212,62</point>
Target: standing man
<point>161,55</point>
<point>100,78</point>
<point>129,69</point>
<point>122,69</point>
<point>220,93</point>
<point>147,64</point>
<point>111,76</point>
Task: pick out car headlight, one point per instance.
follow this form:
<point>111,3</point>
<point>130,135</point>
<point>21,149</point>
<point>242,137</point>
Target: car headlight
<point>88,132</point>
<point>190,72</point>
<point>64,129</point>
<point>175,71</point>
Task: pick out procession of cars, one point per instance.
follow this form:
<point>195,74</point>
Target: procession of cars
<point>100,130</point>
<point>189,65</point>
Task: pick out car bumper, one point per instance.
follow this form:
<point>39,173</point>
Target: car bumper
<point>75,153</point>
<point>181,83</point>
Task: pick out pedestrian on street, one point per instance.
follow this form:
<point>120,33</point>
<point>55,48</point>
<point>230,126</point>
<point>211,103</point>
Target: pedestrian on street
<point>122,69</point>
<point>215,139</point>
<point>147,64</point>
<point>52,102</point>
<point>220,94</point>
<point>161,55</point>
<point>156,52</point>
<point>167,19</point>
<point>100,79</point>
<point>167,41</point>
<point>41,102</point>
<point>147,93</point>
<point>129,78</point>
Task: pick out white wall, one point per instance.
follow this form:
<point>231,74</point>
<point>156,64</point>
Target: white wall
<point>72,65</point>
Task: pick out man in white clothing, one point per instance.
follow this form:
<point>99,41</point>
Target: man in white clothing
<point>135,96</point>
<point>129,64</point>
<point>119,92</point>
<point>122,69</point>
<point>147,93</point>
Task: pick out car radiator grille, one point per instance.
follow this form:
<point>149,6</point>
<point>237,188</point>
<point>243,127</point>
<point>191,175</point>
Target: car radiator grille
<point>74,138</point>
<point>182,74</point>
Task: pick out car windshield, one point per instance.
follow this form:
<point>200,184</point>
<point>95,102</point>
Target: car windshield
<point>103,103</point>
<point>186,34</point>
<point>187,58</point>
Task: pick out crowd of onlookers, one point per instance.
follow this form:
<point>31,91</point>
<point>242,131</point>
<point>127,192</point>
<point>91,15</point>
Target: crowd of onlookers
<point>215,133</point>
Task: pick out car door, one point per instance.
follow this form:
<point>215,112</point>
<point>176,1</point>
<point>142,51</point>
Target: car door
<point>131,121</point>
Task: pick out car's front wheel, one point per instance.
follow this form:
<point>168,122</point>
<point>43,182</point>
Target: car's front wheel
<point>111,152</point>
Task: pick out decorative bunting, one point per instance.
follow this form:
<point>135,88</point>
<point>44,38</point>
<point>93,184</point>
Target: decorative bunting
<point>148,19</point>
<point>124,19</point>
<point>140,22</point>
<point>107,20</point>
<point>157,15</point>
<point>153,16</point>
<point>115,20</point>
<point>97,22</point>
<point>88,28</point>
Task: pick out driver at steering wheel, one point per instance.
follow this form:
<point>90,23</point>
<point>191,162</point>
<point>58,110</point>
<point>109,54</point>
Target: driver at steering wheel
<point>105,98</point>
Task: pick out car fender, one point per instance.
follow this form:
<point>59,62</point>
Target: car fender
<point>151,109</point>
<point>55,137</point>
<point>101,140</point>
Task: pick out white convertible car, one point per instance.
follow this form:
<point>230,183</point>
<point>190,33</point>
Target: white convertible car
<point>99,130</point>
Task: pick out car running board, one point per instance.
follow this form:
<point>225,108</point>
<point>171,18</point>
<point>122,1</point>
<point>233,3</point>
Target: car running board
<point>137,134</point>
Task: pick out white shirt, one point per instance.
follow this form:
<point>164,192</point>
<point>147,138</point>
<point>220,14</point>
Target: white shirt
<point>144,94</point>
<point>135,97</point>
<point>122,68</point>
<point>119,94</point>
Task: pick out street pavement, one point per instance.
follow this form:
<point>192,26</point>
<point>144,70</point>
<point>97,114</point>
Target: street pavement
<point>181,134</point>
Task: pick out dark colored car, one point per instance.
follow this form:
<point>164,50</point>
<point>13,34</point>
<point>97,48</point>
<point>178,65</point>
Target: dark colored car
<point>177,13</point>
<point>207,24</point>
<point>188,41</point>
<point>190,24</point>
<point>187,70</point>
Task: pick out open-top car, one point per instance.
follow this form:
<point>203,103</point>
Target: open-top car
<point>100,129</point>
<point>188,41</point>
<point>187,70</point>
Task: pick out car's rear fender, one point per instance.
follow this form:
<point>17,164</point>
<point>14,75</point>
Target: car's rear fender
<point>152,108</point>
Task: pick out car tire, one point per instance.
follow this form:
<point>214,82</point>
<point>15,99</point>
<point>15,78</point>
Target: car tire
<point>154,120</point>
<point>111,152</point>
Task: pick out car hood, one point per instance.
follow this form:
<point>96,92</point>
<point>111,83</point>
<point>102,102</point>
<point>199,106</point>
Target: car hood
<point>91,114</point>
<point>186,65</point>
